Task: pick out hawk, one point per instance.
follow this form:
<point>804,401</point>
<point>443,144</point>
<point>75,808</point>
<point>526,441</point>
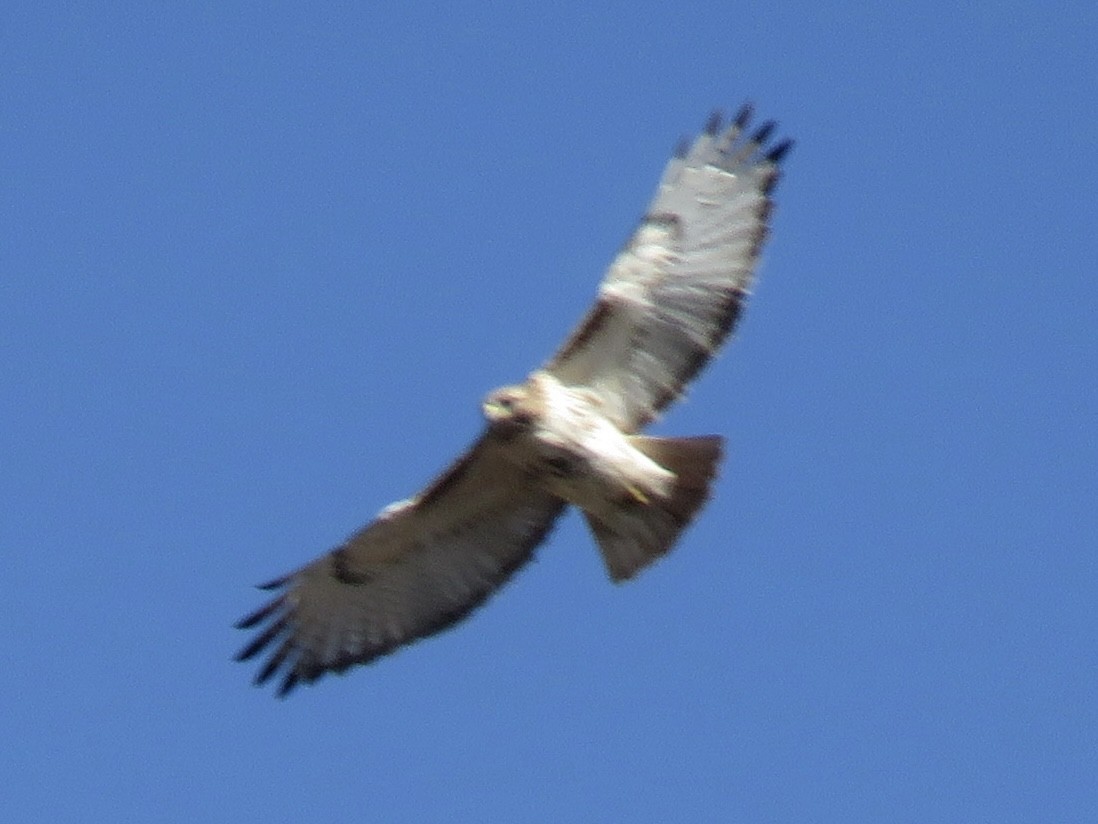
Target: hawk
<point>568,435</point>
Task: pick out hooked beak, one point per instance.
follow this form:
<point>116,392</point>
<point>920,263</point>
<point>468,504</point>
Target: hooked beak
<point>494,410</point>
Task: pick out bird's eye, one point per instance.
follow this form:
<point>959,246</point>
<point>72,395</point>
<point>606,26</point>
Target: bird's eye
<point>506,402</point>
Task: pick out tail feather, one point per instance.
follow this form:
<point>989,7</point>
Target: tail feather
<point>646,527</point>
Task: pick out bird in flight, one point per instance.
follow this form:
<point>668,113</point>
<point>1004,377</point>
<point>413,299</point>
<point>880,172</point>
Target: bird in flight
<point>569,434</point>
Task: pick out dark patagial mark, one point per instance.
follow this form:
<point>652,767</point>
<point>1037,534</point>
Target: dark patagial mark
<point>595,319</point>
<point>343,573</point>
<point>448,479</point>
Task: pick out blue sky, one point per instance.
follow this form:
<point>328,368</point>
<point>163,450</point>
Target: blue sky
<point>258,265</point>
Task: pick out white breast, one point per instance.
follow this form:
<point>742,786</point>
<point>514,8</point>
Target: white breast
<point>609,465</point>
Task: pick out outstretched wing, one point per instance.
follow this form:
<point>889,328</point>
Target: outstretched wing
<point>674,292</point>
<point>420,567</point>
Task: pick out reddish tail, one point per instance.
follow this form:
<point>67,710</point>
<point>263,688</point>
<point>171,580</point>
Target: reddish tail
<point>643,531</point>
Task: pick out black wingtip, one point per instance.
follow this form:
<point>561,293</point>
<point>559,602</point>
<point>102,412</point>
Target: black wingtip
<point>249,651</point>
<point>763,133</point>
<point>288,684</point>
<point>253,618</point>
<point>681,148</point>
<point>713,124</point>
<point>275,583</point>
<point>272,664</point>
<point>743,116</point>
<point>262,640</point>
<point>776,154</point>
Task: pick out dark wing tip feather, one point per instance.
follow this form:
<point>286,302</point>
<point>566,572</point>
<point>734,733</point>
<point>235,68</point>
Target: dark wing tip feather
<point>296,662</point>
<point>682,148</point>
<point>276,582</point>
<point>776,154</point>
<point>763,133</point>
<point>743,116</point>
<point>288,683</point>
<point>253,618</point>
<point>746,151</point>
<point>262,640</point>
<point>713,124</point>
<point>273,663</point>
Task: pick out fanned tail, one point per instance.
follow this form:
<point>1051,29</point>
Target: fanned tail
<point>647,527</point>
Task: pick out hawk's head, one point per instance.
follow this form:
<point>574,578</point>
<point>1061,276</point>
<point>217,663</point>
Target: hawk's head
<point>511,408</point>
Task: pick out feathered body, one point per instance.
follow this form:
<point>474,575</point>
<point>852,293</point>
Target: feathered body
<point>569,435</point>
<point>637,493</point>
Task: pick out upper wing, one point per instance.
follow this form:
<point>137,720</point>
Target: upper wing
<point>673,294</point>
<point>421,566</point>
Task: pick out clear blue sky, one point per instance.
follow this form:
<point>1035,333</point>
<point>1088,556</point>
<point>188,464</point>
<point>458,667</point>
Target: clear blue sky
<point>259,264</point>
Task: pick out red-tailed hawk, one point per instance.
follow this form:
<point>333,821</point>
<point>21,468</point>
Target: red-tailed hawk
<point>567,435</point>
